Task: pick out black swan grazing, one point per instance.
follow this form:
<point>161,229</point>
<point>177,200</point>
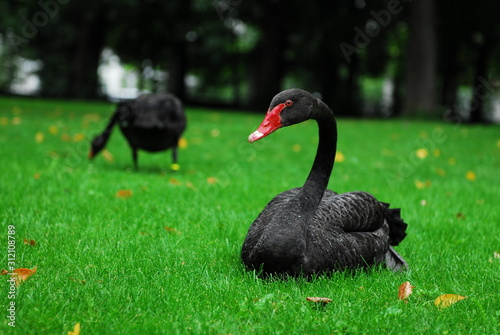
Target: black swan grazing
<point>311,230</point>
<point>151,122</point>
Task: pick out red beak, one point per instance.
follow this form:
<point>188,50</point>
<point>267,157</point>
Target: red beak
<point>271,123</point>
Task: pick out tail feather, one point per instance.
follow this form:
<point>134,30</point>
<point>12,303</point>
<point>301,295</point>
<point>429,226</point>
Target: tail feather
<point>397,227</point>
<point>394,261</point>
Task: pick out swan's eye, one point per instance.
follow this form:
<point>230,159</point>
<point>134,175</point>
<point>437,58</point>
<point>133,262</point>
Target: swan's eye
<point>288,103</point>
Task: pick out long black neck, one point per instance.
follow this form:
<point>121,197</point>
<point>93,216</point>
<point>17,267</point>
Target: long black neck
<point>317,181</point>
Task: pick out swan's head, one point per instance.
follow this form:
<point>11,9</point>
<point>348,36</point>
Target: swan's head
<point>288,107</point>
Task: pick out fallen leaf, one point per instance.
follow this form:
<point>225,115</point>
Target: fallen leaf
<point>76,329</point>
<point>296,147</point>
<point>496,254</point>
<point>446,300</point>
<point>53,130</point>
<point>211,180</point>
<point>460,216</point>
<point>124,194</point>
<point>145,234</point>
<point>422,184</point>
<point>22,274</point>
<point>29,242</point>
<point>422,153</point>
<point>36,176</point>
<point>215,132</point>
<point>171,230</point>
<point>16,120</point>
<point>319,300</point>
<point>108,155</point>
<point>183,143</point>
<point>78,137</point>
<point>4,121</point>
<point>83,282</point>
<point>405,290</point>
<point>470,175</point>
<point>39,137</point>
<point>65,137</point>
<point>436,153</point>
<point>174,181</point>
<point>3,272</point>
<point>441,172</point>
<point>339,157</point>
<point>452,161</point>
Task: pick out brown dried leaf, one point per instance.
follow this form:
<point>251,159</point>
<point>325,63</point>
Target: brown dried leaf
<point>29,242</point>
<point>211,180</point>
<point>319,300</point>
<point>171,230</point>
<point>174,181</point>
<point>446,300</point>
<point>3,272</point>
<point>22,274</point>
<point>123,194</point>
<point>405,290</point>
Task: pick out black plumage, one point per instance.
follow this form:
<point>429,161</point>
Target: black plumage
<point>151,122</point>
<point>312,230</point>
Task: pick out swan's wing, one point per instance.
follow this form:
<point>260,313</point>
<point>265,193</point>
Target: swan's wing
<point>351,212</point>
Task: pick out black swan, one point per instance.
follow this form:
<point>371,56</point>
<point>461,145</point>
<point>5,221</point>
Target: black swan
<point>151,122</point>
<point>311,230</point>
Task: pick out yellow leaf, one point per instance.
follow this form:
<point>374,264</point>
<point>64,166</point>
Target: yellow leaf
<point>446,300</point>
<point>123,194</point>
<point>4,121</point>
<point>39,137</point>
<point>405,290</point>
<point>422,184</point>
<point>53,130</point>
<point>78,137</point>
<point>175,167</point>
<point>183,143</point>
<point>211,180</point>
<point>437,152</point>
<point>339,157</point>
<point>76,329</point>
<point>108,155</point>
<point>470,175</point>
<point>215,132</point>
<point>422,153</point>
<point>16,120</point>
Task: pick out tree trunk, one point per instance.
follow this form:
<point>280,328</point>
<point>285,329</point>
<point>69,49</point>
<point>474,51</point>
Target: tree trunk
<point>481,89</point>
<point>268,68</point>
<point>421,68</point>
<point>84,79</point>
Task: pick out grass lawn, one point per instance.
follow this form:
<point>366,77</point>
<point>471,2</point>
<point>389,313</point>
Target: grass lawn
<point>157,252</point>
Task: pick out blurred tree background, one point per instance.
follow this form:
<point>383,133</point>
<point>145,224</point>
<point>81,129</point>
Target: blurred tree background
<point>364,58</point>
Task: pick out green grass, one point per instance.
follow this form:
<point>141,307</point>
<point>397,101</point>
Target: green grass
<point>109,264</point>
